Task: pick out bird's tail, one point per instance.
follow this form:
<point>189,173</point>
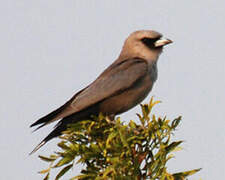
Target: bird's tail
<point>54,115</point>
<point>62,124</point>
<point>48,118</point>
<point>56,132</point>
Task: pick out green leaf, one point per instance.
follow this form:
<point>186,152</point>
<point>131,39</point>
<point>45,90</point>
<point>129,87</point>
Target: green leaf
<point>141,119</point>
<point>109,139</point>
<point>64,161</point>
<point>83,176</point>
<point>95,148</point>
<point>46,177</point>
<point>63,145</point>
<point>176,122</point>
<point>90,126</point>
<point>187,173</point>
<point>172,146</point>
<point>45,171</point>
<point>152,104</point>
<point>63,171</point>
<point>145,111</point>
<point>108,171</point>
<point>132,124</point>
<point>122,134</point>
<point>48,159</point>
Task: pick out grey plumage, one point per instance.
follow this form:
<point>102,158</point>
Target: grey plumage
<point>123,85</point>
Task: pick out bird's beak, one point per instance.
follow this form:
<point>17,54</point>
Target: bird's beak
<point>162,42</point>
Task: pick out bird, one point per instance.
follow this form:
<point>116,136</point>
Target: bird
<point>120,87</point>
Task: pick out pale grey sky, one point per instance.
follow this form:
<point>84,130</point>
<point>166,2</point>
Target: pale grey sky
<point>52,48</point>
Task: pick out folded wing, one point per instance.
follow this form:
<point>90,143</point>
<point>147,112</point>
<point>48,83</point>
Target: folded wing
<point>115,79</point>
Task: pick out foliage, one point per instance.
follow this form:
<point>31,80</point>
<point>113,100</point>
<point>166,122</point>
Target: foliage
<point>113,150</point>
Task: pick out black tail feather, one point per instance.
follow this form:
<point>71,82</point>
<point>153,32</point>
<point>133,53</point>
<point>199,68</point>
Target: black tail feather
<point>39,127</point>
<point>48,117</point>
<point>62,124</point>
<point>55,133</point>
<point>55,113</point>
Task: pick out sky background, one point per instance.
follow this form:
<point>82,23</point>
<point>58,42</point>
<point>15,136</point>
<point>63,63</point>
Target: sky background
<point>52,48</point>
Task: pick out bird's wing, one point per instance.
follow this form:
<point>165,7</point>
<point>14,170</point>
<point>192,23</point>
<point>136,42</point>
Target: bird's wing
<point>115,79</point>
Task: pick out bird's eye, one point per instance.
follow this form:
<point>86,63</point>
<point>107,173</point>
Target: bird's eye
<point>149,42</point>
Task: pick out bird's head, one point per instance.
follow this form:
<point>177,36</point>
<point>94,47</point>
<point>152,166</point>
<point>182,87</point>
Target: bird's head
<point>145,44</point>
